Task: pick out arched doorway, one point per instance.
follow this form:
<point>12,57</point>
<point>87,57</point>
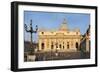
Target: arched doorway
<point>60,46</point>
<point>76,45</point>
<point>42,45</point>
<point>52,47</point>
<point>67,45</point>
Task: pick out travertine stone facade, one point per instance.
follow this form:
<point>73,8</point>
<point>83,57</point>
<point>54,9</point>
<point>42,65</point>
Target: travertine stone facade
<point>62,39</point>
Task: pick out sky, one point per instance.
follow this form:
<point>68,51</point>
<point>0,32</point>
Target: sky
<point>53,20</point>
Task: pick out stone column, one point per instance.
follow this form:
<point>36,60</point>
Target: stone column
<point>74,44</point>
<point>45,43</point>
<point>50,44</point>
<point>61,44</point>
<point>79,44</point>
<point>87,45</point>
<point>54,44</point>
<point>65,44</point>
<point>40,44</point>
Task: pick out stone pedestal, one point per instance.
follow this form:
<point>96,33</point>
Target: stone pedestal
<point>31,58</point>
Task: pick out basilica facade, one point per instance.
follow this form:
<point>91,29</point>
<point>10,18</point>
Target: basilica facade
<point>62,39</point>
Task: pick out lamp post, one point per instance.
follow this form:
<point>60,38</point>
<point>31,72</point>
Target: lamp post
<point>31,31</point>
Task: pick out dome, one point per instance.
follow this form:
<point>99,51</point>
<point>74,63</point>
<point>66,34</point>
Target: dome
<point>63,26</point>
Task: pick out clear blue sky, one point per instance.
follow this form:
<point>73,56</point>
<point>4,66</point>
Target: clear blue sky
<point>50,20</point>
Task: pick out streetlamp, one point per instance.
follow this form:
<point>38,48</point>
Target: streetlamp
<point>31,31</point>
